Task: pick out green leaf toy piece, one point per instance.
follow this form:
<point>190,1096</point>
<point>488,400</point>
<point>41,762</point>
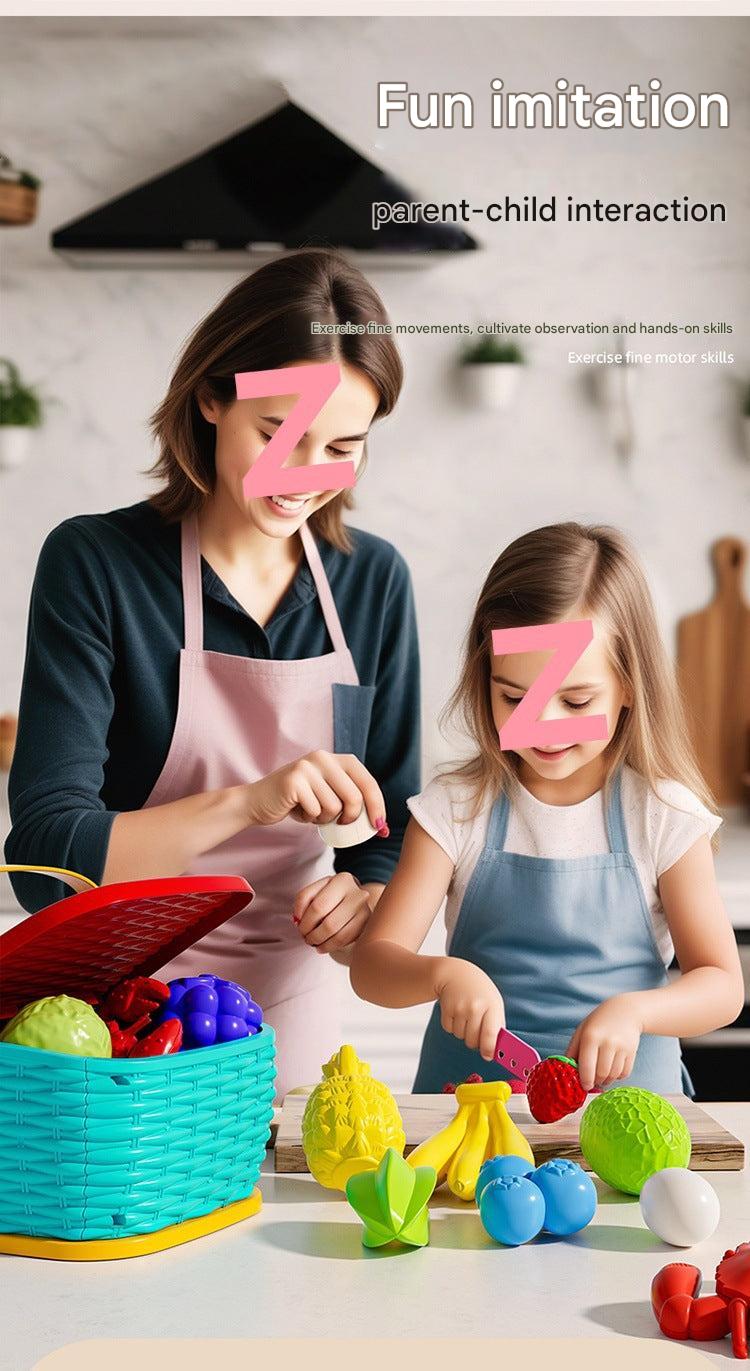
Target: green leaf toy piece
<point>392,1201</point>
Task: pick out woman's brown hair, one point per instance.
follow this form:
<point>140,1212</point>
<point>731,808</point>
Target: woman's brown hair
<point>264,322</point>
<point>542,578</point>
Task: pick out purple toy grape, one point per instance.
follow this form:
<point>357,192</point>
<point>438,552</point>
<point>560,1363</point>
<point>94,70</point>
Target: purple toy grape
<point>211,1010</point>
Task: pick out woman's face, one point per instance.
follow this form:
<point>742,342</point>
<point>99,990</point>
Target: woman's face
<point>592,686</point>
<point>337,434</point>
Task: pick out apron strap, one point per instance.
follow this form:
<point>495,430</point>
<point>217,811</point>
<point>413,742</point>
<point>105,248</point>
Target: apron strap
<point>498,824</point>
<point>192,585</point>
<point>327,604</point>
<point>616,832</point>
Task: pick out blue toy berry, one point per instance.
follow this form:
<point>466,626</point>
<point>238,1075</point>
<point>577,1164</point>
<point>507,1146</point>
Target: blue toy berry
<point>569,1196</point>
<point>512,1210</point>
<point>496,1167</point>
<point>210,1010</point>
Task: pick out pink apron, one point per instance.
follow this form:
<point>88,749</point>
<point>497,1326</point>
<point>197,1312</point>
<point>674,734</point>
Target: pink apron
<point>239,718</point>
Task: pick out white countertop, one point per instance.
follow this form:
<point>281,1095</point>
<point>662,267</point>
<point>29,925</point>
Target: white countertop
<point>298,1269</point>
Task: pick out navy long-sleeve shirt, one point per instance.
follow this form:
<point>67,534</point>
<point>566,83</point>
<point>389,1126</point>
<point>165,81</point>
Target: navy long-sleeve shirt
<point>100,685</point>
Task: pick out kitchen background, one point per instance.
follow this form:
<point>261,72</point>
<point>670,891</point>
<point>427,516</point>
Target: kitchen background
<point>95,107</point>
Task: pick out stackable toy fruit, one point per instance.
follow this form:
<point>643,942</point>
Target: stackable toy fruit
<point>496,1167</point>
<point>392,1201</point>
<point>680,1206</point>
<point>628,1133</point>
<point>557,1197</point>
<point>554,1089</point>
<point>350,1121</point>
<point>569,1196</point>
<point>512,1210</point>
<point>210,1010</point>
<point>681,1314</point>
<point>481,1128</point>
<point>59,1023</point>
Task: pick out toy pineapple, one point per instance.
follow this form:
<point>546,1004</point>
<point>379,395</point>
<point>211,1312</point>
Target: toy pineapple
<point>350,1121</point>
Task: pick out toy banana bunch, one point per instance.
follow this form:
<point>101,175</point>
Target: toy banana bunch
<point>482,1128</point>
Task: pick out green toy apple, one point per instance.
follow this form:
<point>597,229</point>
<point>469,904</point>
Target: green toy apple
<point>59,1023</point>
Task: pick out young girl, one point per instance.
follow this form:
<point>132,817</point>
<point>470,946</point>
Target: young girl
<point>574,873</point>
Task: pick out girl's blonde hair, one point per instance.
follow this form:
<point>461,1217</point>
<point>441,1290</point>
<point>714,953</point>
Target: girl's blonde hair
<point>540,578</point>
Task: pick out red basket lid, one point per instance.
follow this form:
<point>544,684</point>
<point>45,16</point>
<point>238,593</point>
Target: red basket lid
<point>84,945</point>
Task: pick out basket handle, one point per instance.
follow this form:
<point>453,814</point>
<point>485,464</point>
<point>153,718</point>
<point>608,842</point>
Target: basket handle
<point>57,873</point>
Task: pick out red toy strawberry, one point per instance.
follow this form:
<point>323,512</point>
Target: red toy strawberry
<point>554,1089</point>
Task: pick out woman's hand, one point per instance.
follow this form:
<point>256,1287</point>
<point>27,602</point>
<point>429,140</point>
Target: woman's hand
<point>605,1043</point>
<point>471,1006</point>
<point>317,789</point>
<point>332,912</point>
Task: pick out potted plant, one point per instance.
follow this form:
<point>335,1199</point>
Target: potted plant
<point>19,194</point>
<point>20,412</point>
<point>746,416</point>
<point>490,371</point>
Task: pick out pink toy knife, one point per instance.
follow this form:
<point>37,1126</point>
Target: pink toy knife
<point>517,1056</point>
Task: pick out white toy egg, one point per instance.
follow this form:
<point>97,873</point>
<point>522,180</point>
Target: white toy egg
<point>680,1206</point>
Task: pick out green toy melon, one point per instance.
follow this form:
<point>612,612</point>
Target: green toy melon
<point>59,1023</point>
<point>628,1133</point>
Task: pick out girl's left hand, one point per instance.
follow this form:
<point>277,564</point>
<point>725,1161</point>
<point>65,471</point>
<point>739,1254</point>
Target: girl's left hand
<point>605,1043</point>
<point>332,912</point>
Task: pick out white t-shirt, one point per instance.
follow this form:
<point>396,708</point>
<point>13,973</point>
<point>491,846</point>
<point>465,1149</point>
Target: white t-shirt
<point>660,829</point>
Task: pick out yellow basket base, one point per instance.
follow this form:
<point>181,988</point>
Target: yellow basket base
<point>140,1245</point>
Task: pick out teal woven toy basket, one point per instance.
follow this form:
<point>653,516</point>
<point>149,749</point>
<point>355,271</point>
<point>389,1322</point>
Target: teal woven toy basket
<point>110,1148</point>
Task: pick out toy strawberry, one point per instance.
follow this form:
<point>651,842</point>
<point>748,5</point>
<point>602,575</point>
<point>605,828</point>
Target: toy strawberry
<point>554,1089</point>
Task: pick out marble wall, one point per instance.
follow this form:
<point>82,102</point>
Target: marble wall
<point>97,106</point>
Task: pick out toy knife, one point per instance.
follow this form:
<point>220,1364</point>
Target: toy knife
<point>517,1056</point>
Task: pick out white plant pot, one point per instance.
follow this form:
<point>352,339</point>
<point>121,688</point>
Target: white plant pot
<point>490,385</point>
<point>14,445</point>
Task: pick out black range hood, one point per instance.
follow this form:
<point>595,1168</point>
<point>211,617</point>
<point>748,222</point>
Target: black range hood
<point>284,181</point>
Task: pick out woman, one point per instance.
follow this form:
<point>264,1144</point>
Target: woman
<point>207,677</point>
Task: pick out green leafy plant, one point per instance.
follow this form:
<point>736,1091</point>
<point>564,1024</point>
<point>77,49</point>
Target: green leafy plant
<point>26,179</point>
<point>20,405</point>
<point>492,351</point>
<point>746,401</point>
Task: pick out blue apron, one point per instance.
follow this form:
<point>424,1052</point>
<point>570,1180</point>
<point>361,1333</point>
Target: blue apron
<point>557,936</point>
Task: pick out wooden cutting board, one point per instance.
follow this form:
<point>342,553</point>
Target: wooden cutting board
<point>714,1149</point>
<point>713,658</point>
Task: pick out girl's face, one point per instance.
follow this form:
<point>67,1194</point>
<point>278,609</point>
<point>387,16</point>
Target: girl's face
<point>243,430</point>
<point>591,687</point>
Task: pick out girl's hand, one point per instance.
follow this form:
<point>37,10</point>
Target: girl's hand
<point>332,912</point>
<point>605,1043</point>
<point>317,789</point>
<point>471,1005</point>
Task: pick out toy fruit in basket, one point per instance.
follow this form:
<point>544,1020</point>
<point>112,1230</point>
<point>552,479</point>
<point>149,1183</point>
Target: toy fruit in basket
<point>350,1121</point>
<point>392,1201</point>
<point>128,1011</point>
<point>481,1128</point>
<point>59,1023</point>
<point>210,1010</point>
<point>554,1089</point>
<point>628,1133</point>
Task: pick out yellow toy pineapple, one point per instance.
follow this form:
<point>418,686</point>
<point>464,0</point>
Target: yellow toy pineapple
<point>350,1121</point>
